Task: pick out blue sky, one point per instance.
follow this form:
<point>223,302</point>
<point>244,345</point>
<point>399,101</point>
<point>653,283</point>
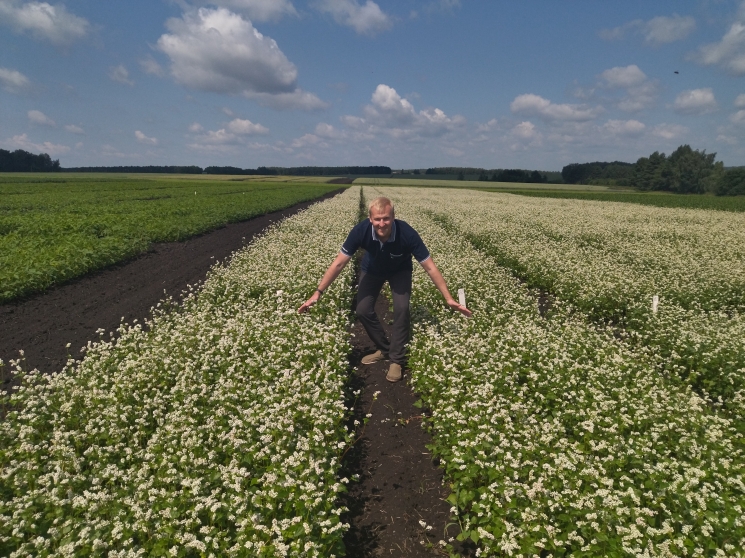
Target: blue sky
<point>406,83</point>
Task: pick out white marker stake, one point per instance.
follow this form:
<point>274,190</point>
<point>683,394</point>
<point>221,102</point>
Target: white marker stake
<point>462,297</point>
<point>655,303</point>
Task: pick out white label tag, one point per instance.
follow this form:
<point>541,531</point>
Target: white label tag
<point>462,297</point>
<point>655,303</point>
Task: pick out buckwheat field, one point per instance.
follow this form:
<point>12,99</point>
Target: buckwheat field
<point>573,416</point>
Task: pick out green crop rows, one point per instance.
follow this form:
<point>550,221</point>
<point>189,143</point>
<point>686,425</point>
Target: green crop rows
<point>55,229</point>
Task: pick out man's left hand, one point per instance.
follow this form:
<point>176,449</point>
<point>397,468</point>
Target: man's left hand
<point>459,307</point>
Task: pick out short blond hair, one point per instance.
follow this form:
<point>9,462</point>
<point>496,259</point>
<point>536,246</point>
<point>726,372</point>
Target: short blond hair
<point>381,204</point>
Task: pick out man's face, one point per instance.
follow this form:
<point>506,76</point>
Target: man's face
<point>382,222</point>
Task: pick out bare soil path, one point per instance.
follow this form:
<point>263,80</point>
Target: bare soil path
<point>400,485</point>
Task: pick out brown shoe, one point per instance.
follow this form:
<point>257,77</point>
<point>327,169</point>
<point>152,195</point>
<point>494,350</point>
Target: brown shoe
<point>394,373</point>
<point>377,356</point>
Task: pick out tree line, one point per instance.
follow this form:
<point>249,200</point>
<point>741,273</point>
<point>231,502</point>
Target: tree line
<point>496,175</point>
<point>301,171</point>
<point>515,175</point>
<point>240,171</point>
<point>23,161</point>
<point>685,171</point>
<point>332,171</point>
<point>616,173</point>
<point>156,169</point>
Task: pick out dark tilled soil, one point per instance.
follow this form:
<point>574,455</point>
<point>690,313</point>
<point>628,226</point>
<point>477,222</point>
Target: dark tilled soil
<point>42,325</point>
<point>400,484</point>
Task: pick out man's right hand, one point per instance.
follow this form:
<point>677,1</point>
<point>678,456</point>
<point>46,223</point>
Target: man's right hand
<point>308,303</point>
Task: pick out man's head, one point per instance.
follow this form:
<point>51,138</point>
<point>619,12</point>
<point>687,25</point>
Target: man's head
<point>381,216</point>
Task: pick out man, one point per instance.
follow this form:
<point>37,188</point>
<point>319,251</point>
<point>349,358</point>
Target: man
<point>389,244</point>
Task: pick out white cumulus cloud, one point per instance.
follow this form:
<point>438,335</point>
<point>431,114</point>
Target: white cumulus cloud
<point>640,91</point>
<point>729,140</point>
<point>695,101</point>
<point>669,131</point>
<point>526,131</point>
<point>660,30</point>
<point>13,81</point>
<point>738,117</point>
<point>246,127</point>
<point>493,124</point>
<point>639,97</point>
<point>120,74</point>
<point>150,66</point>
<point>386,101</point>
<point>142,138</point>
<point>257,10</point>
<point>38,117</point>
<point>729,52</point>
<point>43,21</point>
<point>219,51</point>
<point>231,135</point>
<point>524,136</point>
<point>394,121</point>
<point>73,129</point>
<point>22,142</point>
<point>218,136</point>
<point>367,19</point>
<point>535,105</point>
<point>307,140</point>
<point>297,99</point>
<point>624,76</point>
<point>740,101</point>
<point>624,127</point>
<point>327,131</point>
<point>656,31</point>
<point>391,112</point>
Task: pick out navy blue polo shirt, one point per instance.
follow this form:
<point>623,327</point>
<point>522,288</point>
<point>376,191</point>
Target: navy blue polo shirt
<point>386,259</point>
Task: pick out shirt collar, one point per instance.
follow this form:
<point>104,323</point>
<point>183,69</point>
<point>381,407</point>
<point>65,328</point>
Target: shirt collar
<point>391,238</point>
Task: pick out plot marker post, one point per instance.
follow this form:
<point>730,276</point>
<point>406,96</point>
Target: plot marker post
<point>462,297</point>
<point>655,303</point>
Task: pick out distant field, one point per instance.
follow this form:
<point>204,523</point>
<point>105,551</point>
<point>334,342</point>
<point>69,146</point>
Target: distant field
<point>56,227</point>
<point>477,185</point>
<point>275,179</point>
<point>693,201</point>
<point>572,191</point>
<point>178,177</point>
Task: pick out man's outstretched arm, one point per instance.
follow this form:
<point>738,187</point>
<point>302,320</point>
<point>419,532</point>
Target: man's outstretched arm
<point>331,274</point>
<point>439,281</point>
